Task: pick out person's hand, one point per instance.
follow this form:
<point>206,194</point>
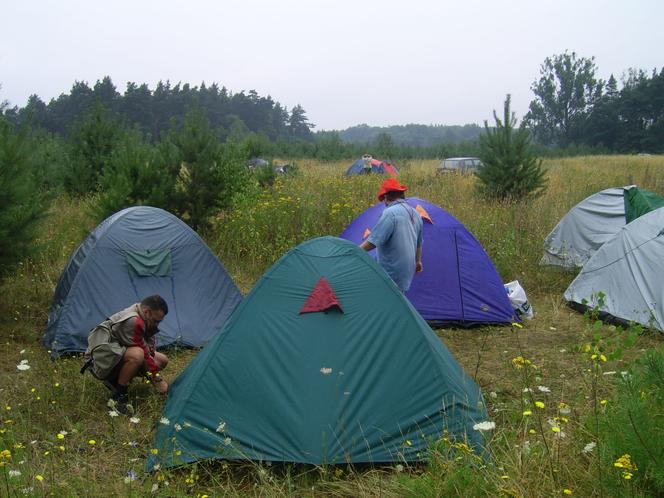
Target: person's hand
<point>161,387</point>
<point>418,267</point>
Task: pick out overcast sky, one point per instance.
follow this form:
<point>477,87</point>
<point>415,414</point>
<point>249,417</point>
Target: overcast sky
<point>347,62</point>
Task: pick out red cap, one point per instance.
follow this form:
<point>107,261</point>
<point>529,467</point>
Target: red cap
<point>390,185</point>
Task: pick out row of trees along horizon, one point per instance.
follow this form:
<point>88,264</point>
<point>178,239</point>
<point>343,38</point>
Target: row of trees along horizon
<point>573,112</point>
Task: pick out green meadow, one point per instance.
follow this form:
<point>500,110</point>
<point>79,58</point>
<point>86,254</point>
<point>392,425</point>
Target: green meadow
<point>578,404</point>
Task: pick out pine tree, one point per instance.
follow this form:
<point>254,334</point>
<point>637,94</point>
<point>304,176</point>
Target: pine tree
<point>21,203</point>
<point>511,170</point>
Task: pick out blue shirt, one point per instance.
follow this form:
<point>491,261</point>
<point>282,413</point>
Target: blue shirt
<point>397,235</point>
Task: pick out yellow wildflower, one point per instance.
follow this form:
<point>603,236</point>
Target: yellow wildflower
<point>92,442</point>
<point>527,413</point>
<point>539,405</point>
<point>154,451</point>
<point>39,477</point>
<point>567,491</point>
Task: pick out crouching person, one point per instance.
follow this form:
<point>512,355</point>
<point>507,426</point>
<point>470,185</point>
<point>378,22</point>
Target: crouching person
<point>123,347</point>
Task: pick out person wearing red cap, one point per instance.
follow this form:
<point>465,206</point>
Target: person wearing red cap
<point>397,235</point>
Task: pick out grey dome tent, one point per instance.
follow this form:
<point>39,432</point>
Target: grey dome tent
<point>134,253</point>
<point>324,362</point>
<point>624,277</point>
<point>594,221</point>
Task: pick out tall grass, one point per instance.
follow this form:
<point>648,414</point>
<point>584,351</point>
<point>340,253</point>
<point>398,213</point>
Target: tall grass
<point>58,438</point>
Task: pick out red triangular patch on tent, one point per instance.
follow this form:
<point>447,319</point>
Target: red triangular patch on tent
<point>367,232</point>
<point>423,213</point>
<point>322,298</point>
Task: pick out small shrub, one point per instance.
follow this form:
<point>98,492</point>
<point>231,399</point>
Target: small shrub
<point>634,426</point>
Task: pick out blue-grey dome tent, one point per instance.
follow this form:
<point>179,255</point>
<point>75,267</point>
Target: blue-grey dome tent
<point>325,361</point>
<point>134,253</point>
<point>623,279</point>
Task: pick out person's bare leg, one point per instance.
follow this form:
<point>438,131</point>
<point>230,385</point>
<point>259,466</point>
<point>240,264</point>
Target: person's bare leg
<point>131,363</point>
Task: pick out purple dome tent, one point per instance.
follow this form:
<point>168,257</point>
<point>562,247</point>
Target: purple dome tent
<point>459,284</point>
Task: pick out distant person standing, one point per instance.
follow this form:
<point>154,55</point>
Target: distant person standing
<point>366,159</point>
<point>397,235</point>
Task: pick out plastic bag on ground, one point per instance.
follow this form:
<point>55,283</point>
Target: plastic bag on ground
<point>519,300</point>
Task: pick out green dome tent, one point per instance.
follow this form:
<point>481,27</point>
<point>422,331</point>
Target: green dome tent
<point>325,361</point>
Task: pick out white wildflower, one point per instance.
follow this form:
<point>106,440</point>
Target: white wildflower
<point>485,426</point>
<point>14,473</point>
<point>493,395</point>
<point>399,467</point>
<point>222,426</point>
<point>113,413</point>
<point>527,390</point>
<point>23,365</point>
<point>155,487</point>
<point>227,441</point>
<point>526,448</point>
<point>589,447</point>
<point>178,427</point>
<point>562,350</point>
<point>134,420</point>
<point>22,351</point>
<point>326,371</point>
<point>131,476</point>
<point>543,389</point>
<point>164,421</point>
<point>553,328</point>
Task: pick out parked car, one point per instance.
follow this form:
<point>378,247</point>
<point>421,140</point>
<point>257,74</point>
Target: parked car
<point>460,164</point>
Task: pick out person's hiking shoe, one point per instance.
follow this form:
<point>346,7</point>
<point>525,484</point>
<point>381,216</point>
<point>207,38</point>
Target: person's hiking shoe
<point>122,404</point>
<point>120,398</point>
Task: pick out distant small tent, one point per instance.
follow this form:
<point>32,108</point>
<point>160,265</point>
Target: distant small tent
<point>362,167</point>
<point>459,284</point>
<point>324,362</point>
<point>593,221</point>
<point>623,279</point>
<point>134,253</point>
